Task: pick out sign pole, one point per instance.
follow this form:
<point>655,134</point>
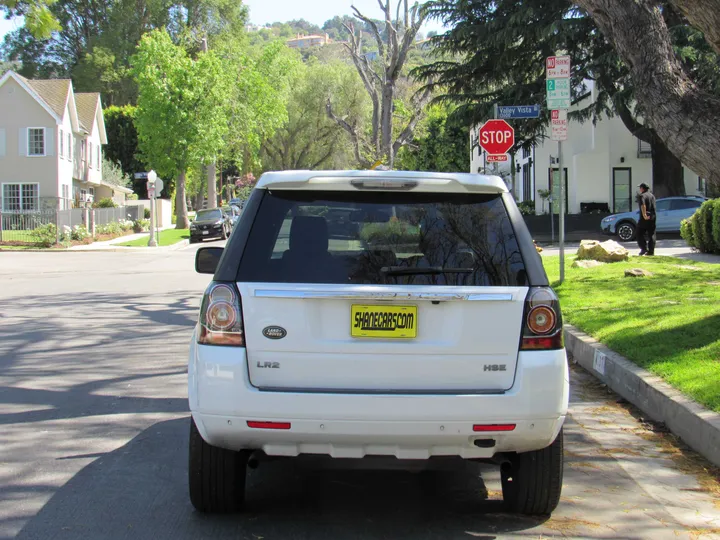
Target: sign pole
<point>561,207</point>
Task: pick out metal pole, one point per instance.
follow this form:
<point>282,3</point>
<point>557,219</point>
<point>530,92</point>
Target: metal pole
<point>152,242</point>
<point>561,207</point>
<point>157,220</point>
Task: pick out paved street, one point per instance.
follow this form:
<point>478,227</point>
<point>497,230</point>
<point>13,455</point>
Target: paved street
<point>93,443</point>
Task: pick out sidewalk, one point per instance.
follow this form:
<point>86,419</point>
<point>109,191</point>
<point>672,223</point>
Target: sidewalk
<point>113,245</point>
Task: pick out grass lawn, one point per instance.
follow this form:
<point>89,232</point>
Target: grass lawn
<point>168,237</point>
<point>17,236</point>
<point>668,323</point>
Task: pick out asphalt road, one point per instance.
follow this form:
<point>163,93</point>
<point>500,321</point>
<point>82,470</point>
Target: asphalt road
<point>94,427</point>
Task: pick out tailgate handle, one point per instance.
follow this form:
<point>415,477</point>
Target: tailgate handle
<point>369,295</point>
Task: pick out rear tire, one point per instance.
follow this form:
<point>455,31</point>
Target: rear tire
<point>626,231</point>
<point>533,483</point>
<point>216,476</point>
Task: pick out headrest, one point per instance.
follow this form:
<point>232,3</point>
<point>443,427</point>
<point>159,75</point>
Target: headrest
<point>309,234</point>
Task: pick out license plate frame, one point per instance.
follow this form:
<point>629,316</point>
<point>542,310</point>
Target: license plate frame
<point>376,321</point>
<point>206,232</point>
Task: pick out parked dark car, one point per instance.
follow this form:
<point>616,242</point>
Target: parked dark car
<point>670,212</point>
<point>212,223</point>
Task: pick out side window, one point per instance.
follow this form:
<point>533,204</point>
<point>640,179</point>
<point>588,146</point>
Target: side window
<point>662,206</point>
<point>685,204</point>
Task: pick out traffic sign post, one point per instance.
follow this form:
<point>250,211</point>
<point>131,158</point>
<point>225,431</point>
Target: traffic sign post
<point>557,73</point>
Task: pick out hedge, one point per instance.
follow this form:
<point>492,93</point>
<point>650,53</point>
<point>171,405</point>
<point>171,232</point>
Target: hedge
<point>702,230</point>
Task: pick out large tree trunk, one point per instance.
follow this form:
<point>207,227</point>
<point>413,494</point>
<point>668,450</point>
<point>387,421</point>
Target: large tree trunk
<point>705,16</point>
<point>686,118</point>
<point>181,211</point>
<point>667,171</point>
<point>212,185</point>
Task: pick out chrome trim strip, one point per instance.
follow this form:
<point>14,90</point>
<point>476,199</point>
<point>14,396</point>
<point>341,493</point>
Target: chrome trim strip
<point>376,392</point>
<point>379,295</point>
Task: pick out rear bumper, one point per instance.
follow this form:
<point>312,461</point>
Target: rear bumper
<point>222,401</point>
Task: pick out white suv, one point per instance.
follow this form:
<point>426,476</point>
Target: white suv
<point>389,313</point>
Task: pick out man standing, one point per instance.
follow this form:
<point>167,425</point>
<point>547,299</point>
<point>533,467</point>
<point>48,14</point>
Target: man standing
<point>646,224</point>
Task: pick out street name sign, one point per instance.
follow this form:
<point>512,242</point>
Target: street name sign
<point>557,67</point>
<point>491,158</point>
<point>558,125</point>
<point>558,93</point>
<point>507,112</point>
<point>496,137</point>
<point>141,176</point>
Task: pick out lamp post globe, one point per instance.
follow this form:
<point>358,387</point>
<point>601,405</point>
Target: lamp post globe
<point>152,176</point>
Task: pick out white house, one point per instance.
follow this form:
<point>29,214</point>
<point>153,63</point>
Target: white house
<point>50,146</point>
<point>603,164</point>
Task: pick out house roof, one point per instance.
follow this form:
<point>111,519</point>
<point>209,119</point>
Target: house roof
<point>87,104</point>
<point>54,92</point>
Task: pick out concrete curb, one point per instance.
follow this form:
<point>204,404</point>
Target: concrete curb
<point>696,425</point>
<point>105,249</point>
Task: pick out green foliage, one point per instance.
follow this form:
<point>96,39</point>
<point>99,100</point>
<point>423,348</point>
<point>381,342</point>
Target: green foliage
<point>40,21</point>
<point>122,148</point>
<point>527,208</point>
<point>146,213</point>
<point>107,202</point>
<point>141,225</point>
<point>393,232</point>
<point>702,230</point>
<point>44,235</point>
<point>440,144</point>
<point>79,233</point>
<point>309,139</point>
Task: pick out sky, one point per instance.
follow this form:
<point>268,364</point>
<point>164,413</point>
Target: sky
<point>268,11</point>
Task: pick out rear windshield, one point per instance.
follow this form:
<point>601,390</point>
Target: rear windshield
<point>382,238</point>
<point>207,215</point>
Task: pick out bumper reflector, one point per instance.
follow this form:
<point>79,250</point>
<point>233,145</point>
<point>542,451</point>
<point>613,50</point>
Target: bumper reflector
<point>268,425</point>
<point>493,427</point>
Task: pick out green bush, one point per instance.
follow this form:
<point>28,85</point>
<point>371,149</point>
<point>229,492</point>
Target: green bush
<point>107,202</point>
<point>146,214</point>
<point>527,208</point>
<point>79,233</point>
<point>704,228</point>
<point>686,231</point>
<point>44,235</point>
<point>141,225</point>
<point>392,232</point>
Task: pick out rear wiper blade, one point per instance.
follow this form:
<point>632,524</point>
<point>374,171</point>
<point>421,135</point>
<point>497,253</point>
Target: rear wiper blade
<point>404,270</point>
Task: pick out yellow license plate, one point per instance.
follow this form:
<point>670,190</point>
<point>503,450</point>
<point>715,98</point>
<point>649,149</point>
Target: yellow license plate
<point>395,322</point>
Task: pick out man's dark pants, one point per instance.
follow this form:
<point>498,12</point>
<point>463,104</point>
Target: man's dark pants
<point>646,237</point>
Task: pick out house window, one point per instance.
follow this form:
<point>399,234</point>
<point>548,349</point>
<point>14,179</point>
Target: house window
<point>70,147</point>
<point>83,147</point>
<point>62,143</point>
<point>527,183</point>
<point>66,196</point>
<point>526,152</point>
<point>644,149</point>
<point>90,155</point>
<point>99,162</point>
<point>701,184</point>
<point>20,197</point>
<point>36,141</point>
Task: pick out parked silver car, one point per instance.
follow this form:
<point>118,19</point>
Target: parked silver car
<point>670,213</point>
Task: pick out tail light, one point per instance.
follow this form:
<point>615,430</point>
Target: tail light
<point>221,320</point>
<point>542,327</point>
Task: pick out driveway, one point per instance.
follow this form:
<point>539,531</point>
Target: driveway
<point>94,428</point>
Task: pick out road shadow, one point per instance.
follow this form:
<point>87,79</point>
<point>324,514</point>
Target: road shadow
<point>140,491</point>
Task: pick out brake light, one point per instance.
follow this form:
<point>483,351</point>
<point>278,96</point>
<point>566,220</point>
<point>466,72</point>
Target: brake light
<point>221,316</point>
<point>542,328</point>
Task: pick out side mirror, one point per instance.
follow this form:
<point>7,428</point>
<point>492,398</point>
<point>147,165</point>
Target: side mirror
<point>207,259</point>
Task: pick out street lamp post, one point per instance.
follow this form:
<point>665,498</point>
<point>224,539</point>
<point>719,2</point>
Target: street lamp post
<point>152,177</point>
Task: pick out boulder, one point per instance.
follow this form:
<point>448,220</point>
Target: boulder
<point>586,264</point>
<point>637,272</point>
<point>608,251</point>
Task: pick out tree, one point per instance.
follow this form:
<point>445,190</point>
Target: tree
<point>309,139</point>
<point>113,174</point>
<point>705,16</point>
<point>122,147</point>
<point>39,19</point>
<point>685,116</point>
<point>440,144</point>
<point>496,55</point>
<point>381,82</point>
<point>182,108</point>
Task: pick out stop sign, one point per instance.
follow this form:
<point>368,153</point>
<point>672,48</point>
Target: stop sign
<point>496,137</point>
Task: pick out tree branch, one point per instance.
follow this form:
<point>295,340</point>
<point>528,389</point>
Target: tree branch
<point>351,130</point>
<point>376,30</point>
<point>419,106</point>
<point>705,16</point>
